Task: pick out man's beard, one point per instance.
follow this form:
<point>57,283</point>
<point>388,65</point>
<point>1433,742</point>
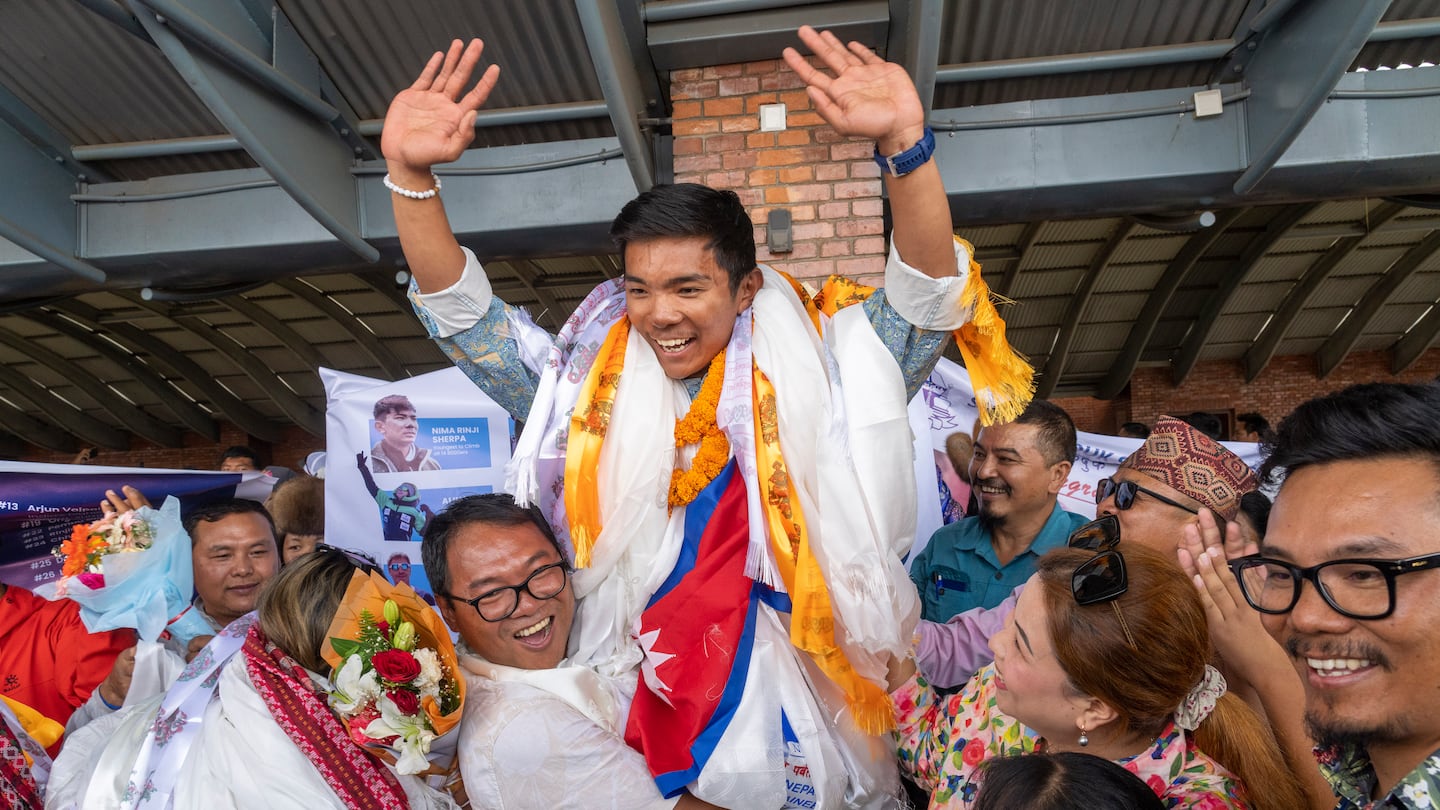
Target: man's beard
<point>988,520</point>
<point>1360,734</point>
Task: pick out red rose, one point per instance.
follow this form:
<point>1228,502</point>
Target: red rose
<point>973,753</point>
<point>405,700</point>
<point>396,666</point>
<point>384,628</point>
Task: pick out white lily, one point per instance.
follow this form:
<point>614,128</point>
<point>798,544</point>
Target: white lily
<point>352,689</point>
<point>414,733</point>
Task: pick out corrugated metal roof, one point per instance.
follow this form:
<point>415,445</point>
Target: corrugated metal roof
<point>979,31</point>
<point>374,48</point>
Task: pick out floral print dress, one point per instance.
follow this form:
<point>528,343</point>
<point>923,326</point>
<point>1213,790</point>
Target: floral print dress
<point>943,740</point>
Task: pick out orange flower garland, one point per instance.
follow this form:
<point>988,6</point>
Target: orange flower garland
<point>699,426</point>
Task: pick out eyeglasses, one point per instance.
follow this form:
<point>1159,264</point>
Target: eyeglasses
<point>545,582</point>
<point>1124,492</point>
<point>1359,589</point>
<point>396,568</point>
<point>1101,578</point>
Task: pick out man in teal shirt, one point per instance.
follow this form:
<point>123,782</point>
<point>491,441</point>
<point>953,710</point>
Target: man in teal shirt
<point>1017,471</point>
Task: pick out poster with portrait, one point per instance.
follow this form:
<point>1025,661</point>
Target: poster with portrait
<point>40,503</point>
<point>946,404</point>
<point>397,453</point>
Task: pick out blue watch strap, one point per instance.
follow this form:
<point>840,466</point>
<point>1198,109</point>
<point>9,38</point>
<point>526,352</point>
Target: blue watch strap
<point>903,163</point>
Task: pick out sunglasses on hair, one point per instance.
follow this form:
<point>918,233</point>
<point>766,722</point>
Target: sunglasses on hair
<point>358,558</point>
<point>1124,492</point>
<point>1101,578</point>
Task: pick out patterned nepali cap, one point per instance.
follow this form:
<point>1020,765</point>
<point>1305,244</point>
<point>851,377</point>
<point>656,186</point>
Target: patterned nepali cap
<point>1195,465</point>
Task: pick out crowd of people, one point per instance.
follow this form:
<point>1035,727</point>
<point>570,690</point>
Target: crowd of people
<point>695,596</point>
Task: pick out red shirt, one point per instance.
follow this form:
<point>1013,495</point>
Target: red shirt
<point>48,660</point>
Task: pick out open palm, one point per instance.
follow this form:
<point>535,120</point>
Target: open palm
<point>867,97</point>
<point>430,122</point>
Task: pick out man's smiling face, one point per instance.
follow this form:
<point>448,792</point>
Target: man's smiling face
<point>679,300</point>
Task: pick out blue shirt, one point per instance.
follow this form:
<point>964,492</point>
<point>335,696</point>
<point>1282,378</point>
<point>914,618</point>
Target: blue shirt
<point>959,571</point>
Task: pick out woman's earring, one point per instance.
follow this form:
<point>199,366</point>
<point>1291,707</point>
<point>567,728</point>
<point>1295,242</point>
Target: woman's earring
<point>1084,738</point>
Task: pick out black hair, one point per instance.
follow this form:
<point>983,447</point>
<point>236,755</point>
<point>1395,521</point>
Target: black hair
<point>1136,430</point>
<point>1207,423</point>
<point>1064,781</point>
<point>1257,424</point>
<point>392,404</point>
<point>494,509</point>
<point>221,509</point>
<point>240,451</point>
<point>1372,420</point>
<point>1056,434</point>
<point>1256,506</point>
<point>690,209</point>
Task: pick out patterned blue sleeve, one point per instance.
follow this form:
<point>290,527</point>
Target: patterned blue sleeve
<point>489,356</point>
<point>916,350</point>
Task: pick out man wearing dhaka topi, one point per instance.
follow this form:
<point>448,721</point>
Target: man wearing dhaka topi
<point>717,449</point>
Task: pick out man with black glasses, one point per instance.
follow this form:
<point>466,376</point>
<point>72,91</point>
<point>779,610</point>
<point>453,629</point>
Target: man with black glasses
<point>538,731</point>
<point>1346,582</point>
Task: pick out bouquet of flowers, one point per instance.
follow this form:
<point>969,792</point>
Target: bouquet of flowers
<point>395,675</point>
<point>131,570</point>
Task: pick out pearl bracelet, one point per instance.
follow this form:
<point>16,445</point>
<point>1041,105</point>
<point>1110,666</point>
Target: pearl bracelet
<point>414,195</point>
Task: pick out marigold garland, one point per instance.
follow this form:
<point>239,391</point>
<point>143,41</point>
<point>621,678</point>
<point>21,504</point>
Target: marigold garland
<point>699,425</point>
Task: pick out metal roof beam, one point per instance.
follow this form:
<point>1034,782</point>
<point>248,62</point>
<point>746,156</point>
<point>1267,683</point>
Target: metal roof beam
<point>1127,59</point>
<point>48,407</point>
<point>23,426</point>
<point>288,130</point>
<point>757,35</point>
<point>1022,245</point>
<point>1124,153</point>
<point>1302,51</point>
<point>1218,301</point>
<point>1159,299</point>
<point>914,42</point>
<point>296,409</point>
<point>1262,349</point>
<point>542,294</point>
<point>214,228</point>
<point>368,341</point>
<point>1060,352</point>
<point>132,418</point>
<point>619,69</point>
<point>1339,344</point>
<point>35,160</point>
<point>303,349</point>
<point>227,404</point>
<point>172,398</point>
<point>1413,343</point>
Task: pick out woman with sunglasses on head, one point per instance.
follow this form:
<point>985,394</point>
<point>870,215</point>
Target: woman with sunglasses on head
<point>1105,654</point>
<point>267,738</point>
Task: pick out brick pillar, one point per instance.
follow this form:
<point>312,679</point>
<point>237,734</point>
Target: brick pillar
<point>828,183</point>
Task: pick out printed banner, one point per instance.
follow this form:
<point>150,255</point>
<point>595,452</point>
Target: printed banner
<point>396,453</point>
<point>39,503</point>
<point>946,404</point>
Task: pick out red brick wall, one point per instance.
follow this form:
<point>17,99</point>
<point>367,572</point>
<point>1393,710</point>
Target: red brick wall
<point>829,184</point>
<point>197,454</point>
<point>1220,386</point>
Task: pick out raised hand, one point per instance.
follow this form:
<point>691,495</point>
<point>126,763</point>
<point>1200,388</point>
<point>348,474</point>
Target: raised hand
<point>867,97</point>
<point>430,122</point>
<point>127,500</point>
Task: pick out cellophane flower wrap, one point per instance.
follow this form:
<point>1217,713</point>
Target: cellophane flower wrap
<point>131,570</point>
<point>397,684</point>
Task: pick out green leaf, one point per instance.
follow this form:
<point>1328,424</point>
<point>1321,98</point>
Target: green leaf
<point>344,647</point>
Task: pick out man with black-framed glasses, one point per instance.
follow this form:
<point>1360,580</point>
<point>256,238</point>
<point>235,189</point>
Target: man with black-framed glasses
<point>539,731</point>
<point>1346,583</point>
